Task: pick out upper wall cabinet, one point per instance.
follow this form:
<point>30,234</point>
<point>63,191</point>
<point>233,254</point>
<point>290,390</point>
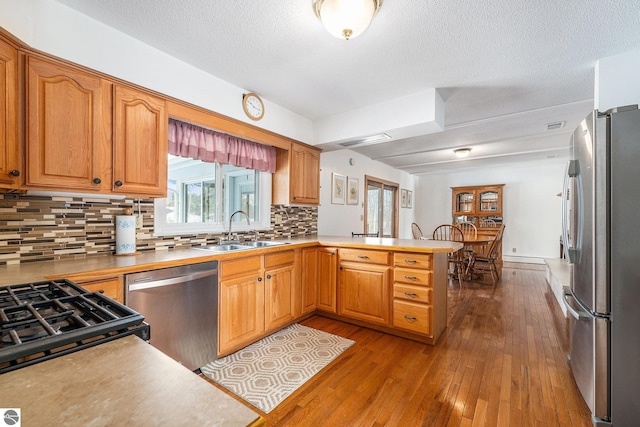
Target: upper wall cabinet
<point>297,179</point>
<point>139,143</point>
<point>68,129</point>
<point>85,133</point>
<point>10,169</point>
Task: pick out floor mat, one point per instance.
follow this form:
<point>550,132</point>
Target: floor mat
<point>268,371</point>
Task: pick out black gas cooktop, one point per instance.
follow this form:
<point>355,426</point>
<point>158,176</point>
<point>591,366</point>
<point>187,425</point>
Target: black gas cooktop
<point>47,319</point>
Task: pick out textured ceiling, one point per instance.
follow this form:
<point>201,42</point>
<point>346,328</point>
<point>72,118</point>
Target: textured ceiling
<point>504,68</point>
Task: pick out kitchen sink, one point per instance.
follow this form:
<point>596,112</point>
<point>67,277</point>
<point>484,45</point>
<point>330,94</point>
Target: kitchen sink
<point>262,244</point>
<point>240,246</point>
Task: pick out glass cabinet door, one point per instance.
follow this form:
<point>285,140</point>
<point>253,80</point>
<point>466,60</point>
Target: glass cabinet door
<point>489,201</point>
<point>464,202</point>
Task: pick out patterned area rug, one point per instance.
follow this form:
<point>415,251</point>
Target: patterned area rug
<point>268,371</point>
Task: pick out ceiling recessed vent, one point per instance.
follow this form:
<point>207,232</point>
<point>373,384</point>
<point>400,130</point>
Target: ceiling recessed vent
<point>369,140</point>
<point>552,156</point>
<point>555,125</point>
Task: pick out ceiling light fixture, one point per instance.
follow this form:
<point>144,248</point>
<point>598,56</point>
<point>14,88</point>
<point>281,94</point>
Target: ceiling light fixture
<point>346,18</point>
<point>461,153</point>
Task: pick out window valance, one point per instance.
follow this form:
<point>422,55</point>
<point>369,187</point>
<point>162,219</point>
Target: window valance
<point>195,142</point>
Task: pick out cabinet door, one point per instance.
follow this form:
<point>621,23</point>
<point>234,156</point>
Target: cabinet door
<point>241,312</point>
<point>68,128</point>
<point>305,175</point>
<point>327,277</point>
<point>140,143</point>
<point>364,292</point>
<point>490,201</point>
<point>278,294</point>
<point>464,202</point>
<point>9,145</point>
<point>310,269</point>
<point>113,287</point>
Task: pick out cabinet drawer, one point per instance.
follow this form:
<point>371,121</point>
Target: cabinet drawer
<point>423,261</point>
<point>412,293</point>
<point>359,255</point>
<point>412,317</point>
<point>279,258</point>
<point>111,286</point>
<point>412,275</point>
<point>240,266</point>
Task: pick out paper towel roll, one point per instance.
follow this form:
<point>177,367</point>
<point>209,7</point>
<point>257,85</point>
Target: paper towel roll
<point>125,234</point>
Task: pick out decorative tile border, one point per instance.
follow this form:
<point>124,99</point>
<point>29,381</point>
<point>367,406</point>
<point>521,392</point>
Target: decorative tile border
<point>40,228</point>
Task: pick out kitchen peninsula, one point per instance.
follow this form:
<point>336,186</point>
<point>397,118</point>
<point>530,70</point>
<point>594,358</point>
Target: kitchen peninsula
<point>393,285</point>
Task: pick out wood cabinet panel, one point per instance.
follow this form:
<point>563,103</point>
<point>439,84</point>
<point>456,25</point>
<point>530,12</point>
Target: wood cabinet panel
<point>310,270</point>
<point>279,258</point>
<point>363,255</point>
<point>412,276</point>
<point>113,287</point>
<point>364,292</point>
<point>403,259</point>
<point>327,279</point>
<point>240,266</point>
<point>412,293</point>
<point>412,317</point>
<point>241,312</point>
<point>305,175</point>
<point>10,165</point>
<point>140,143</point>
<point>68,129</point>
<point>278,297</point>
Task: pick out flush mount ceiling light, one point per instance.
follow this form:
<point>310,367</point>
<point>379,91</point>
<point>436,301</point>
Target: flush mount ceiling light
<point>346,19</point>
<point>461,153</point>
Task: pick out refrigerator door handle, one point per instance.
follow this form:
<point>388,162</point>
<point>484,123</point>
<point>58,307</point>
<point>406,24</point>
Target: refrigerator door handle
<point>570,172</point>
<point>577,314</point>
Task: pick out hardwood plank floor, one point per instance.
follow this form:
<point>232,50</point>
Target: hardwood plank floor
<point>501,362</point>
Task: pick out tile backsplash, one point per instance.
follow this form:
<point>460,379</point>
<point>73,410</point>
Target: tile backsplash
<point>50,227</point>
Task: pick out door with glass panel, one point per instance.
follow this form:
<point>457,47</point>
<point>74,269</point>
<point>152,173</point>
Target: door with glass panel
<point>381,213</point>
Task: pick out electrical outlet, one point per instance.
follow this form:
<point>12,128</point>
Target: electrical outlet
<point>513,250</point>
<point>138,221</point>
<point>278,219</point>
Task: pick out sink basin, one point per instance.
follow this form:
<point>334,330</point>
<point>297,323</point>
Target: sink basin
<point>221,248</point>
<point>262,244</point>
<point>239,246</point>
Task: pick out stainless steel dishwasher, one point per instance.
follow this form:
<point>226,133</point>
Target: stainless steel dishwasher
<point>180,304</point>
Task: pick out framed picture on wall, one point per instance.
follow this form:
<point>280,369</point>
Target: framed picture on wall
<point>353,186</point>
<point>403,198</point>
<point>338,184</point>
<point>409,199</point>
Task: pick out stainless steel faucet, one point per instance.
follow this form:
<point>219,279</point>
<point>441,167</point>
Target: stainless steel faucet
<point>231,219</point>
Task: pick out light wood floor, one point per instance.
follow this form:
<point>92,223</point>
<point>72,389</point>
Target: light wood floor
<point>501,362</point>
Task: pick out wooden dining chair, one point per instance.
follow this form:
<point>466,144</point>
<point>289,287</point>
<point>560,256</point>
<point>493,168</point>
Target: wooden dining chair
<point>469,231</point>
<point>456,260</point>
<point>415,230</point>
<point>487,223</point>
<point>487,262</point>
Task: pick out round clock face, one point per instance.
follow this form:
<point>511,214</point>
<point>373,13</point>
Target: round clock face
<point>253,106</point>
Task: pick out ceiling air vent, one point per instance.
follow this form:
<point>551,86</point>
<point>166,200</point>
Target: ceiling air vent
<point>555,125</point>
<point>369,140</point>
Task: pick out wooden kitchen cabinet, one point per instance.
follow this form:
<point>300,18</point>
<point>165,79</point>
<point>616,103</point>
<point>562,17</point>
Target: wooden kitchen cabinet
<point>327,279</point>
<point>140,144</point>
<point>241,303</point>
<point>364,285</point>
<point>413,292</point>
<point>309,279</point>
<point>10,166</point>
<point>483,201</point>
<point>279,289</point>
<point>68,128</point>
<point>113,287</point>
<point>297,178</point>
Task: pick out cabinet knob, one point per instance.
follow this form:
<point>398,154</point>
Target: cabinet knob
<point>410,318</point>
<point>411,277</point>
<point>118,183</point>
<point>97,180</point>
<point>15,172</point>
<point>259,279</point>
<point>295,197</point>
<point>363,257</point>
<point>268,276</point>
<point>411,294</point>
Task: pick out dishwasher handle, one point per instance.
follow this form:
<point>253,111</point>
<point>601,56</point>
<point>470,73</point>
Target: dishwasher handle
<point>170,281</point>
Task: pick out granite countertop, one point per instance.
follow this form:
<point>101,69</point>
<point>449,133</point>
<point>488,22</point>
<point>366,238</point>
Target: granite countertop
<point>123,382</point>
<point>113,264</point>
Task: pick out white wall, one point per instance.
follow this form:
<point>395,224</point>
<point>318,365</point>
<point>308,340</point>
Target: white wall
<point>531,207</point>
<point>616,81</point>
<point>341,220</point>
<point>56,29</point>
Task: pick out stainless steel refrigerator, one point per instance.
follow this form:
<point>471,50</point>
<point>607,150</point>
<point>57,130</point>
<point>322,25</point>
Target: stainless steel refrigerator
<point>601,234</point>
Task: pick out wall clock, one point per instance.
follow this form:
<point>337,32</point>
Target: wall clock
<point>253,106</point>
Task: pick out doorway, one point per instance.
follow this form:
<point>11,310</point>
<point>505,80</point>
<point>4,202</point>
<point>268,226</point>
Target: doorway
<point>381,207</point>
